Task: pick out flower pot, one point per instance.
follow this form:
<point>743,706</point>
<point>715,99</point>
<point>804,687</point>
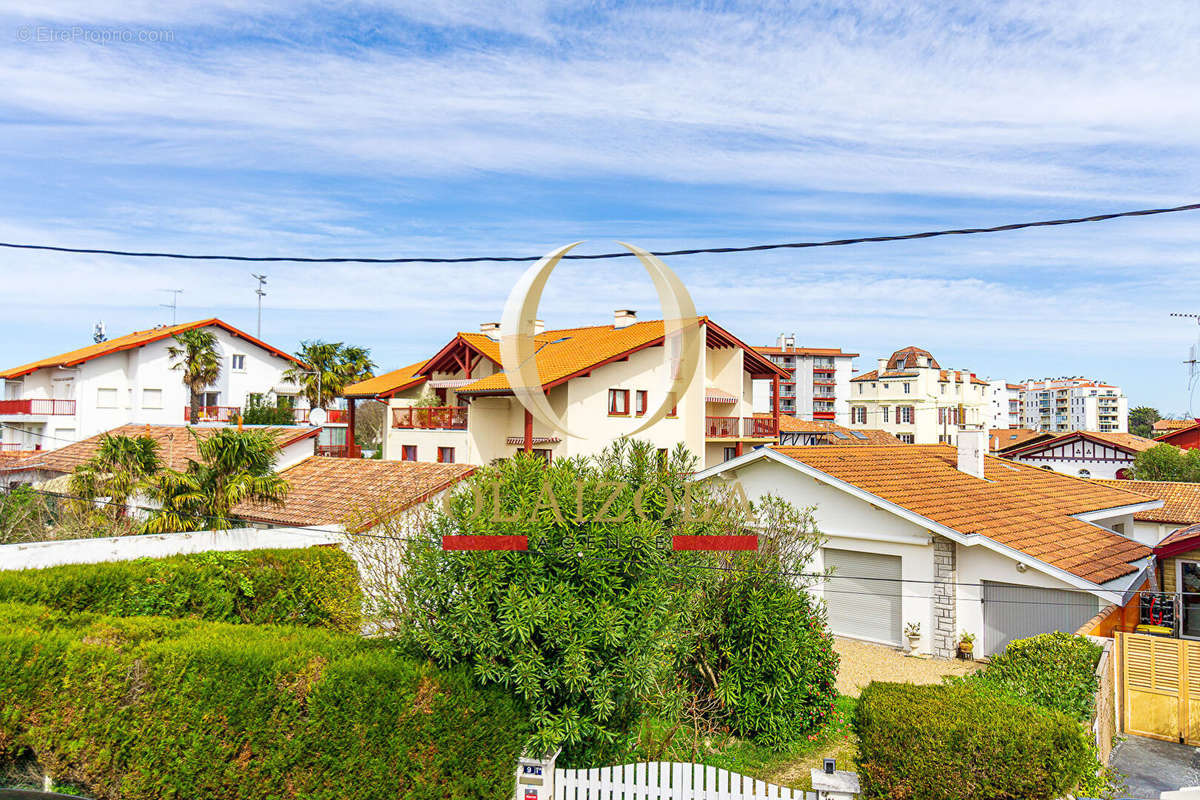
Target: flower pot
<point>965,650</point>
<point>913,643</point>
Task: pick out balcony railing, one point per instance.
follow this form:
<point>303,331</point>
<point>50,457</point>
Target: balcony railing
<point>331,414</point>
<point>212,413</point>
<point>37,406</point>
<point>17,447</point>
<point>740,427</point>
<point>339,450</point>
<point>433,418</point>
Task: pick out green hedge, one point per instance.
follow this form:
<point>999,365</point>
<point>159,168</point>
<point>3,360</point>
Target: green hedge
<point>1054,670</point>
<point>315,586</point>
<point>965,741</point>
<point>149,707</point>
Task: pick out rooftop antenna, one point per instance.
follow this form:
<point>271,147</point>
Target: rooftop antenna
<point>262,281</point>
<point>98,334</point>
<point>1192,361</point>
<point>174,301</point>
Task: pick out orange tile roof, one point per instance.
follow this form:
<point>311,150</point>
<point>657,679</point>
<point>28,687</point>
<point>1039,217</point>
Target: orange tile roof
<point>835,352</point>
<point>1004,438</point>
<point>791,424</point>
<point>354,492</point>
<point>388,383</point>
<point>1179,541</point>
<point>132,340</point>
<point>943,376</point>
<point>1023,507</point>
<point>906,358</point>
<point>1130,443</point>
<point>1168,425</point>
<point>175,446</point>
<point>1181,501</point>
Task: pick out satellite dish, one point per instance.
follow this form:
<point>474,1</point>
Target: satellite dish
<point>316,417</point>
<point>98,333</point>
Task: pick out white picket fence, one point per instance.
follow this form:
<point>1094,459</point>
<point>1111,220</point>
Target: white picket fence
<point>666,780</point>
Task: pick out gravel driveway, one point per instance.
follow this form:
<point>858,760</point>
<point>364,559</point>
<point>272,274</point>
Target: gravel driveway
<point>863,662</point>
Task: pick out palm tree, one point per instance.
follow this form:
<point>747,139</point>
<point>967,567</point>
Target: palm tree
<point>121,467</point>
<point>195,352</point>
<point>331,367</point>
<point>234,466</point>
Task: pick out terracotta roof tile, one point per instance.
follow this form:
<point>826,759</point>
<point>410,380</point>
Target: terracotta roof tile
<point>132,340</point>
<point>1128,442</point>
<point>1004,438</point>
<point>1181,501</point>
<point>1023,507</point>
<point>1167,425</point>
<point>791,424</point>
<point>835,352</point>
<point>395,381</point>
<point>354,492</point>
<point>906,357</point>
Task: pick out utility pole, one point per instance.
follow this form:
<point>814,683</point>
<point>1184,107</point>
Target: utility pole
<point>174,301</point>
<point>262,281</point>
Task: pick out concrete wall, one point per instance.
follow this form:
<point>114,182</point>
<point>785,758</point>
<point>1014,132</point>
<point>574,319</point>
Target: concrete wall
<point>1072,466</point>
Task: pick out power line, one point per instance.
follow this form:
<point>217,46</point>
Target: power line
<point>580,257</point>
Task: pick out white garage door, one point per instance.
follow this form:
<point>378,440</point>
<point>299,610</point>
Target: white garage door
<point>1018,612</point>
<point>863,595</point>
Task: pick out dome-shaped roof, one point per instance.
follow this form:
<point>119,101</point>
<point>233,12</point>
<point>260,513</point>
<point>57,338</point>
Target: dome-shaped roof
<point>909,358</point>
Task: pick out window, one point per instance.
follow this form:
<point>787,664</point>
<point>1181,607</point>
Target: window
<point>618,402</point>
<point>239,362</point>
<point>943,388</point>
<point>730,452</point>
<point>540,452</point>
<point>106,398</point>
<point>674,412</point>
<point>908,388</point>
<point>860,388</point>
<point>408,452</point>
<point>905,438</point>
<point>859,414</point>
<point>445,455</point>
<point>152,398</point>
<point>1083,473</point>
<point>885,413</point>
<point>904,414</point>
<point>640,403</point>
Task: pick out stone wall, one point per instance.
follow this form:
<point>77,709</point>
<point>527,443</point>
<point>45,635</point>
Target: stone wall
<point>945,598</point>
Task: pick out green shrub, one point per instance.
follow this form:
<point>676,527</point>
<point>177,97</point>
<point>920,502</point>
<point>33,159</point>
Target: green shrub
<point>150,707</point>
<point>965,741</point>
<point>1054,670</point>
<point>316,586</point>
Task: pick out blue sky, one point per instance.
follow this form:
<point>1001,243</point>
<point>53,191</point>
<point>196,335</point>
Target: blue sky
<point>402,129</point>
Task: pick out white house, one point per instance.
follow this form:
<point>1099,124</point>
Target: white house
<point>1180,509</point>
<point>817,385</point>
<point>1085,454</point>
<point>911,397</point>
<point>72,396</point>
<point>601,380</point>
<point>953,539</point>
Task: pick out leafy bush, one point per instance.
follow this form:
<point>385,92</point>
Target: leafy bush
<point>1053,670</point>
<point>149,707</point>
<point>1166,462</point>
<point>268,410</point>
<point>965,741</point>
<point>316,586</point>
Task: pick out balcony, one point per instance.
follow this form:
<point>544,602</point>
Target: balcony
<point>339,450</point>
<point>431,418</point>
<point>213,413</point>
<point>39,407</point>
<point>334,415</point>
<point>740,428</point>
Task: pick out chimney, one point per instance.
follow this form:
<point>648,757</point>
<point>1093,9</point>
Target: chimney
<point>972,447</point>
<point>491,330</point>
<point>882,364</point>
<point>539,326</point>
<point>624,317</point>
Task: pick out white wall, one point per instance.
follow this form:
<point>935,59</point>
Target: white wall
<point>1096,469</point>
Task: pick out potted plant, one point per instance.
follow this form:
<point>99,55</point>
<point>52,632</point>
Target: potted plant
<point>966,644</point>
<point>912,632</point>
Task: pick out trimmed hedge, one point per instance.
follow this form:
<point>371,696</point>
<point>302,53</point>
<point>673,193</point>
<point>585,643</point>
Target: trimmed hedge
<point>149,707</point>
<point>1053,670</point>
<point>965,741</point>
<point>315,586</point>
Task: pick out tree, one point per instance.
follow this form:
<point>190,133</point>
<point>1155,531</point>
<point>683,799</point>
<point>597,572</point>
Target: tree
<point>121,467</point>
<point>195,353</point>
<point>370,424</point>
<point>267,410</point>
<point>234,466</point>
<point>1166,462</point>
<point>1142,419</point>
<point>329,368</point>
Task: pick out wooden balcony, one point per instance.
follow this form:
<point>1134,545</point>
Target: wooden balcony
<point>37,406</point>
<point>740,428</point>
<point>213,413</point>
<point>430,418</point>
<point>339,450</point>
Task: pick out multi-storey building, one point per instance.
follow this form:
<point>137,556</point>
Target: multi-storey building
<point>69,397</point>
<point>1073,404</point>
<point>1004,405</point>
<point>601,381</point>
<point>817,385</point>
<point>911,397</point>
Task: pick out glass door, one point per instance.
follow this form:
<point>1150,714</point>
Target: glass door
<point>1189,585</point>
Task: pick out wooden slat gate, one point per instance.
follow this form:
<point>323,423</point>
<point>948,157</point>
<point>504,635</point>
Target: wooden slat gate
<point>666,780</point>
<point>1160,682</point>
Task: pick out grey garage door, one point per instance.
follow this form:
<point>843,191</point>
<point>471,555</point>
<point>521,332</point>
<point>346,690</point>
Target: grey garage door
<point>1016,612</point>
<point>863,595</point>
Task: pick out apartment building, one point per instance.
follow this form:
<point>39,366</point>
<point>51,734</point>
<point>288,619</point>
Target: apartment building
<point>1073,404</point>
<point>1004,405</point>
<point>75,395</point>
<point>911,397</point>
<point>601,380</point>
<point>817,385</point>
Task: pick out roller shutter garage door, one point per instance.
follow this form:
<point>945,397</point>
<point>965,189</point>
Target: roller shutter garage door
<point>863,595</point>
<point>1018,612</point>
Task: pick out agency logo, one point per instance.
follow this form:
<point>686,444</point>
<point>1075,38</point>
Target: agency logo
<point>519,349</point>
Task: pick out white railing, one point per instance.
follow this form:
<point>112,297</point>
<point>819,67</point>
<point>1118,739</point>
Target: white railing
<point>663,780</point>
